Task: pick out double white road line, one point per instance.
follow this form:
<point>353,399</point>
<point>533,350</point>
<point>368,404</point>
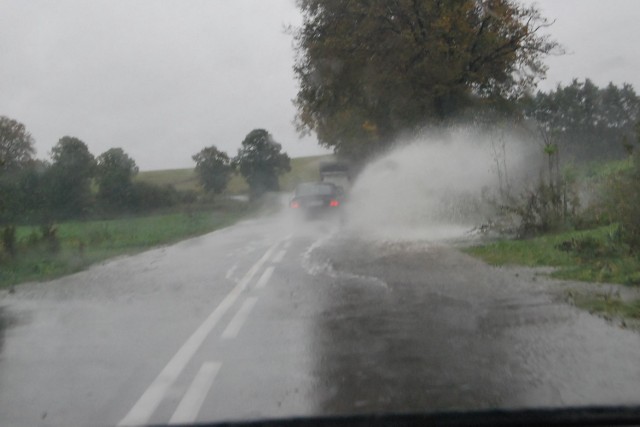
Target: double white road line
<point>190,405</point>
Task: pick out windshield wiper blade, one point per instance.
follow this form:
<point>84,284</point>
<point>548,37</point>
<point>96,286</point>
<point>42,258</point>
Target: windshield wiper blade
<point>569,417</point>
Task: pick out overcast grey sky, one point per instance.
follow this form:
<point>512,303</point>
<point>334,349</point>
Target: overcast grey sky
<point>163,79</point>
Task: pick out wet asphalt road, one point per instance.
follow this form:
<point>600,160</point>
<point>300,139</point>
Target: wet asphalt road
<point>269,319</point>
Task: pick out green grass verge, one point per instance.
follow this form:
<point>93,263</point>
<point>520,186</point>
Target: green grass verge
<point>592,255</point>
<point>600,171</point>
<point>84,243</point>
<point>608,305</point>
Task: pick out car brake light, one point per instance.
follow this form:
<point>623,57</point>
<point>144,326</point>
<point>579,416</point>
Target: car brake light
<point>295,205</point>
<point>334,203</point>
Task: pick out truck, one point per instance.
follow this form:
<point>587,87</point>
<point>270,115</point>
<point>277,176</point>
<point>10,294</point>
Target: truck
<point>336,173</point>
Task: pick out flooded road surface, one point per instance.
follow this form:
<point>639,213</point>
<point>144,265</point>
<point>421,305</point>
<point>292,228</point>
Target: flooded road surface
<point>266,320</point>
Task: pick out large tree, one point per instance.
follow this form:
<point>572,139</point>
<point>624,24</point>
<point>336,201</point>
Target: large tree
<point>213,168</point>
<point>369,70</point>
<point>16,145</point>
<point>260,161</point>
<point>16,165</point>
<point>114,175</point>
<point>69,177</point>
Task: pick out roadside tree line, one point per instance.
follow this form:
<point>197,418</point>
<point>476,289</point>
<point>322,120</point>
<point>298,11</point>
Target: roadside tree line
<point>260,161</point>
<point>585,122</point>
<point>372,73</point>
<point>75,184</point>
<point>72,183</point>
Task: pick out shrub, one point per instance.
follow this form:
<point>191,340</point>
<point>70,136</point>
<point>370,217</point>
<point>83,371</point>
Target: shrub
<point>589,248</point>
<point>50,237</point>
<point>541,209</point>
<point>9,240</point>
<point>626,204</point>
<point>150,196</point>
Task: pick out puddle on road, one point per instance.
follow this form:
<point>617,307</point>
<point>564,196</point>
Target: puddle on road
<point>316,264</point>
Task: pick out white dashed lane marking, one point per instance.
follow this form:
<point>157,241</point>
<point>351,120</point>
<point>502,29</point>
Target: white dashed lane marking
<point>189,407</point>
<point>265,277</point>
<point>155,393</point>
<point>238,320</point>
<point>279,256</point>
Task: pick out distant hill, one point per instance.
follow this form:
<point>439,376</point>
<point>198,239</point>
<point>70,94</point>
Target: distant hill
<point>302,169</point>
<point>181,179</point>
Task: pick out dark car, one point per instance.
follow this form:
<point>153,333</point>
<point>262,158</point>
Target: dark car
<point>317,198</point>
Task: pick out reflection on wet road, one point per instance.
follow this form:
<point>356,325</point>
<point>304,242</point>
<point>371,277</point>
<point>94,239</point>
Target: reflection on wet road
<point>265,319</point>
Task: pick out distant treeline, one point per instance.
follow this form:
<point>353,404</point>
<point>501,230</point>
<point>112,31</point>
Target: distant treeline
<point>584,121</point>
<point>581,121</point>
<point>73,183</point>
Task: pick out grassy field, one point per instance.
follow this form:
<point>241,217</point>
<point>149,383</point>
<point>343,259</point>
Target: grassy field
<point>302,169</point>
<point>599,171</point>
<point>81,244</point>
<point>181,179</point>
<point>589,256</point>
<point>608,305</point>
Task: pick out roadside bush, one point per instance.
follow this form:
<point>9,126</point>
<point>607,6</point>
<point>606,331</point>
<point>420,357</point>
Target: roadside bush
<point>9,240</point>
<point>98,235</point>
<point>147,197</point>
<point>50,237</point>
<point>33,240</point>
<point>589,248</point>
<point>541,209</point>
<point>188,196</point>
<point>625,203</point>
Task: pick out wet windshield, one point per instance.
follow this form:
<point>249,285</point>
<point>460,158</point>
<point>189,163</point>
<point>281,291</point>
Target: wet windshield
<point>480,249</point>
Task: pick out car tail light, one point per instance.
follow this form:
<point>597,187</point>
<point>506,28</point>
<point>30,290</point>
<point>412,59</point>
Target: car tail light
<point>334,203</point>
<point>295,205</point>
